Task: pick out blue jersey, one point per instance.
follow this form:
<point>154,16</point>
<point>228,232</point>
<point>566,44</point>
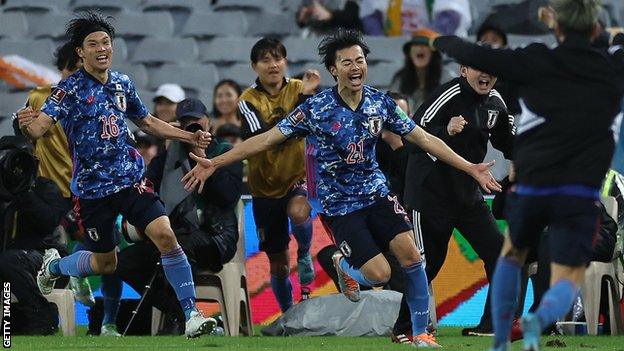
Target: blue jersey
<point>346,172</point>
<point>93,117</point>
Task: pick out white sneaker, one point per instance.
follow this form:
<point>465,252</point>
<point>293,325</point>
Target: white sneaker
<point>198,325</point>
<point>82,291</point>
<point>109,330</point>
<point>45,278</point>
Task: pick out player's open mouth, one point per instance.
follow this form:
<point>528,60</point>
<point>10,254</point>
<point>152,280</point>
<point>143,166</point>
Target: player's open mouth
<point>102,59</point>
<point>356,79</point>
<point>484,83</point>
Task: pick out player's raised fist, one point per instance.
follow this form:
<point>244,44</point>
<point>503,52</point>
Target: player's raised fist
<point>202,139</point>
<point>456,125</point>
<point>311,81</point>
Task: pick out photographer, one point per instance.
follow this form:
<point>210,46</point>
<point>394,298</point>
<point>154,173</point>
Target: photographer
<point>30,210</point>
<point>205,224</point>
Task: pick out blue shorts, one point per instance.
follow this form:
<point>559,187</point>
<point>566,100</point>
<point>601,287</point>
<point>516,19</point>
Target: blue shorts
<point>139,204</point>
<point>572,222</point>
<point>271,220</point>
<point>367,232</point>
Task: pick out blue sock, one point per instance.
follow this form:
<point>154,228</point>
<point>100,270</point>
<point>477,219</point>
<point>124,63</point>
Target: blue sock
<point>556,302</point>
<point>417,297</point>
<point>303,234</point>
<point>282,289</point>
<point>178,272</point>
<point>111,293</point>
<point>357,275</point>
<point>77,264</point>
<point>505,289</point>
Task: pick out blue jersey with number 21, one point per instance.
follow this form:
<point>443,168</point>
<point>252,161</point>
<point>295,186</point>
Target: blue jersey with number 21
<point>93,117</point>
<point>347,175</point>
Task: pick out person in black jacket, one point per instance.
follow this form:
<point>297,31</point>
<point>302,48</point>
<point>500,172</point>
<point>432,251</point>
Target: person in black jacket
<point>205,225</point>
<point>570,95</point>
<point>30,211</point>
<point>466,113</point>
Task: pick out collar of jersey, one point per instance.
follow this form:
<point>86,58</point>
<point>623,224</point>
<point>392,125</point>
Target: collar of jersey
<point>259,86</point>
<point>343,103</point>
<point>88,75</point>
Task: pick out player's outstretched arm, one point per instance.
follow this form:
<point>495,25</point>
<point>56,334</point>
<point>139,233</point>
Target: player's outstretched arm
<point>33,124</point>
<point>206,167</point>
<point>159,128</point>
<point>435,146</point>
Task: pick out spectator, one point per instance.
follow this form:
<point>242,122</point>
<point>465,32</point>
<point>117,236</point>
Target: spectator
<point>224,109</point>
<point>422,71</point>
<point>166,100</point>
<point>229,132</point>
<point>205,225</point>
<point>146,145</point>
<point>24,197</point>
<point>323,16</point>
<point>444,16</point>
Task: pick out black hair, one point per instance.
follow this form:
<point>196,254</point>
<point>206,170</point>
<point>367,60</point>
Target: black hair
<point>408,78</point>
<point>230,82</point>
<point>340,39</point>
<point>66,57</point>
<point>489,27</point>
<point>267,45</point>
<point>86,23</point>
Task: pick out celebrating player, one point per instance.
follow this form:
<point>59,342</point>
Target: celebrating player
<point>92,105</point>
<point>344,123</point>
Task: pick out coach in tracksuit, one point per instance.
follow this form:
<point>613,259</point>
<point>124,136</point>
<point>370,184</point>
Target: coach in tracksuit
<point>466,113</point>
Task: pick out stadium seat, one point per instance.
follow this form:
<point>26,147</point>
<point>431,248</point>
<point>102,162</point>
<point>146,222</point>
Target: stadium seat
<point>386,49</point>
<point>242,73</point>
<point>41,51</point>
<point>6,124</point>
<point>120,49</point>
<point>136,72</point>
<point>228,287</point>
<point>11,102</point>
<point>138,25</point>
<point>250,5</point>
<point>160,50</point>
<point>13,25</point>
<point>196,77</point>
<point>515,40</point>
<point>147,97</point>
<point>168,5</point>
<point>36,5</point>
<point>206,96</point>
<point>302,49</point>
<point>227,49</point>
<point>48,25</point>
<point>64,300</point>
<point>596,274</point>
<point>107,7</point>
<point>380,75</point>
<point>271,24</point>
<point>211,24</point>
<point>326,79</point>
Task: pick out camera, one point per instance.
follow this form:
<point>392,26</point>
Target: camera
<point>18,166</point>
<point>193,127</point>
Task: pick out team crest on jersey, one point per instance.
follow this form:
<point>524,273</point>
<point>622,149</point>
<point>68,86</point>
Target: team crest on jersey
<point>58,95</point>
<point>492,117</point>
<point>93,234</point>
<point>345,249</point>
<point>296,117</point>
<point>120,100</point>
<point>374,125</point>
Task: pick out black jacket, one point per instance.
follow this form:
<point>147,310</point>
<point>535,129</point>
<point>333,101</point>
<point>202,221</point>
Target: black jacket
<point>488,119</point>
<point>569,97</point>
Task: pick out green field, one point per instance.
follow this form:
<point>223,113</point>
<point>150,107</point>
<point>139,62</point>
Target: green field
<point>449,337</point>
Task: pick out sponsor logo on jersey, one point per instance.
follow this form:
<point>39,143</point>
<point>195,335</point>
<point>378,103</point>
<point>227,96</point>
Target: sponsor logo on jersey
<point>492,117</point>
<point>296,116</point>
<point>120,100</point>
<point>374,125</point>
<point>93,234</point>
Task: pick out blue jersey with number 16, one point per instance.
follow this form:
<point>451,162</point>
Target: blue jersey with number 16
<point>93,117</point>
<point>347,175</point>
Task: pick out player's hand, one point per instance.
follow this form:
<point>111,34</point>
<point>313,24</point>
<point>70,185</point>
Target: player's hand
<point>547,15</point>
<point>25,117</point>
<point>198,175</point>
<point>456,125</point>
<point>481,173</point>
<point>201,139</point>
<point>311,81</point>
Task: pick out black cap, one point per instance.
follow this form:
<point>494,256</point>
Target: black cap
<point>191,108</point>
<point>487,26</point>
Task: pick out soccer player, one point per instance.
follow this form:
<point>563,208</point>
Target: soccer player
<point>276,175</point>
<point>569,95</point>
<point>92,105</point>
<point>344,124</point>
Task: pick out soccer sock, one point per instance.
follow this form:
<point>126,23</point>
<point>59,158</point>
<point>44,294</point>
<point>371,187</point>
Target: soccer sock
<point>417,296</point>
<point>556,302</point>
<point>282,289</point>
<point>303,234</point>
<point>111,293</point>
<point>356,274</point>
<point>505,288</point>
<point>178,272</point>
<point>77,264</point>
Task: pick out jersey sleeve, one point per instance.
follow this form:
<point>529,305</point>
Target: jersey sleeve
<point>297,121</point>
<point>397,121</point>
<point>136,109</point>
<point>58,104</point>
